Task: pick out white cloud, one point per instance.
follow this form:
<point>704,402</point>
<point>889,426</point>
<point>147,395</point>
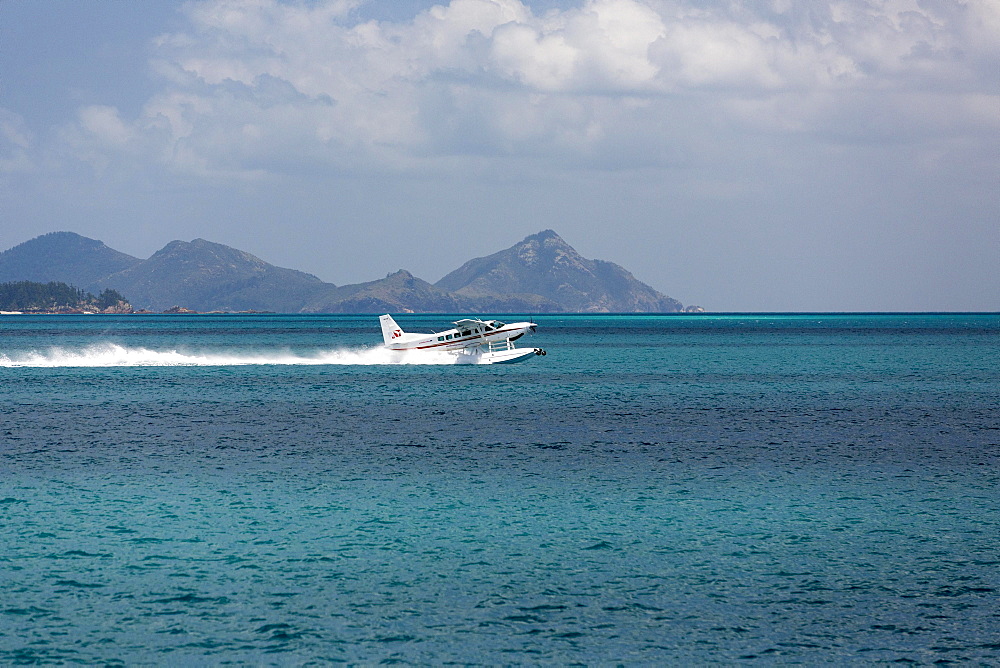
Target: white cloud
<point>15,143</point>
<point>105,125</point>
<point>266,86</point>
<point>603,46</point>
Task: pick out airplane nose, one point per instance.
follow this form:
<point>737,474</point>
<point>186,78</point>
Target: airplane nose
<point>533,328</point>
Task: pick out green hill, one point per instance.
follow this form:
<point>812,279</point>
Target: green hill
<point>546,267</point>
<point>57,297</point>
<point>63,257</point>
<point>207,276</point>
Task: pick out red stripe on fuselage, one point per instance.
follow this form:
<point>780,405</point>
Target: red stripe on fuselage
<point>439,344</point>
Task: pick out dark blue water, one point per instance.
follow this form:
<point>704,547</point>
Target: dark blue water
<point>656,489</point>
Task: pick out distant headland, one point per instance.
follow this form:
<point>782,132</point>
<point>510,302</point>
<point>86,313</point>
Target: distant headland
<point>540,274</point>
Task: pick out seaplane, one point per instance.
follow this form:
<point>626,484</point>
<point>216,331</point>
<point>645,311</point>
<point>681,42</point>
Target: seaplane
<point>471,341</point>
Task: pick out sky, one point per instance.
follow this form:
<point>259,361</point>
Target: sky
<point>755,155</point>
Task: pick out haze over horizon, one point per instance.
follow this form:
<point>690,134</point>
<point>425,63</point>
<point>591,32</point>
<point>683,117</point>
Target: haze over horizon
<point>754,156</point>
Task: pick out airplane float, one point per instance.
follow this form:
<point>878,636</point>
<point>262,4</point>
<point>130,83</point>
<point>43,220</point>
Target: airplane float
<point>472,341</point>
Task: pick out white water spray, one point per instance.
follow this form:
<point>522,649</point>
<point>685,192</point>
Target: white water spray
<point>114,355</point>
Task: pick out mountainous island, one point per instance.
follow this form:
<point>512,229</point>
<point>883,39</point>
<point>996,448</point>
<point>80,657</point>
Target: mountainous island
<point>540,274</point>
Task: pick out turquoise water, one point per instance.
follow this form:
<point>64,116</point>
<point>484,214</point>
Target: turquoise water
<point>274,489</point>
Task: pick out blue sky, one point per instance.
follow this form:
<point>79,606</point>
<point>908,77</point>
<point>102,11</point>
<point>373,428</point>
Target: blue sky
<point>758,155</point>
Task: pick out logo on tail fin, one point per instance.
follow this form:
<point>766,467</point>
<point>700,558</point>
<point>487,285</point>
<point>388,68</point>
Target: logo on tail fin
<point>390,330</point>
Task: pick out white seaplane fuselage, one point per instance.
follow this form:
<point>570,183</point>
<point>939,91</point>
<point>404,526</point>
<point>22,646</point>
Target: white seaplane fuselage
<point>472,341</point>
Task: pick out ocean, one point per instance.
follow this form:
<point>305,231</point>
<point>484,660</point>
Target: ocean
<point>272,489</point>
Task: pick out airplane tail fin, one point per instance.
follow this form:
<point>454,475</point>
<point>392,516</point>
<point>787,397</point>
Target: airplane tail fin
<point>390,330</point>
